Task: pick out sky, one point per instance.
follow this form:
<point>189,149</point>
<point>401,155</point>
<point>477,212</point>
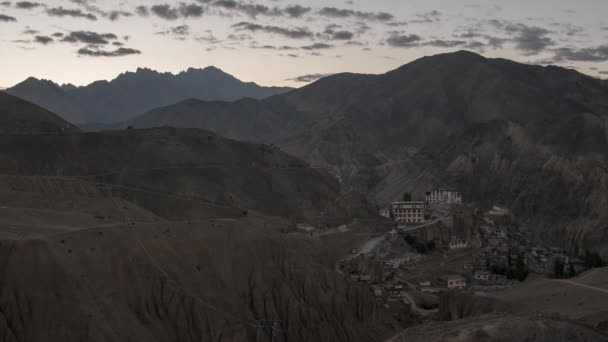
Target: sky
<point>288,42</point>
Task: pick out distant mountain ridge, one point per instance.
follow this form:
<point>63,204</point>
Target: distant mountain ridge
<point>21,117</point>
<point>427,124</point>
<point>132,93</point>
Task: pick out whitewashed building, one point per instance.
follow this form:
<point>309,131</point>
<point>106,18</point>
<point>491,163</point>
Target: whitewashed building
<point>454,282</point>
<point>458,244</point>
<point>444,196</point>
<point>408,212</point>
<point>385,212</point>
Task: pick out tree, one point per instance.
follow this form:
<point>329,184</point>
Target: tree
<point>593,260</point>
<point>571,270</point>
<point>407,197</point>
<point>558,268</point>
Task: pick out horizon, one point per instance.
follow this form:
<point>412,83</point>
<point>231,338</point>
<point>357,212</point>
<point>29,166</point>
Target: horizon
<point>174,73</point>
<point>287,44</point>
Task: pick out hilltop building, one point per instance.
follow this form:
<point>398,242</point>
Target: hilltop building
<point>454,282</point>
<point>444,196</point>
<point>456,243</point>
<point>408,212</point>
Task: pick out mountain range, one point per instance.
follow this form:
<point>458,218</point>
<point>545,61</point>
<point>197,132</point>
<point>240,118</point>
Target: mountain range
<point>132,93</point>
<point>19,116</point>
<point>528,137</point>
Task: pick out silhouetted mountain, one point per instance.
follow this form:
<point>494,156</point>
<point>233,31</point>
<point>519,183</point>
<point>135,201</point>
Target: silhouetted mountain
<point>407,129</point>
<point>19,117</point>
<point>133,93</point>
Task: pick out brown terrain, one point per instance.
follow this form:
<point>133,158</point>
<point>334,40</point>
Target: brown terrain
<point>527,137</point>
<point>180,234</point>
<point>173,235</point>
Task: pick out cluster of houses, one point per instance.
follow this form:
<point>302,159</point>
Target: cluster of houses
<point>437,201</point>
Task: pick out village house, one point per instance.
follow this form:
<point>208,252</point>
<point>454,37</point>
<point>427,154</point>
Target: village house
<point>443,195</point>
<point>498,211</point>
<point>482,276</point>
<point>501,233</point>
<point>408,212</point>
<point>454,282</point>
<point>458,243</point>
<point>385,212</point>
<point>396,262</point>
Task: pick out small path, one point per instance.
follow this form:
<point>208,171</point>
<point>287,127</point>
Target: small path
<point>581,285</point>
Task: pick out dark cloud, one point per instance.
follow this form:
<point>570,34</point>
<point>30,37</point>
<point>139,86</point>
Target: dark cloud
<point>334,12</point>
<point>57,35</point>
<point>429,17</point>
<point>89,37</point>
<point>594,54</point>
<point>317,46</point>
<point>252,10</point>
<point>142,11</point>
<point>44,40</point>
<point>530,39</point>
<point>445,43</point>
<point>333,32</point>
<point>308,78</point>
<point>181,30</point>
<point>342,35</point>
<point>115,15</point>
<point>94,51</point>
<point>7,18</point>
<point>169,12</point>
<point>296,33</point>
<point>296,11</point>
<point>75,13</point>
<point>5,3</point>
<point>30,31</point>
<point>27,5</point>
<point>405,41</point>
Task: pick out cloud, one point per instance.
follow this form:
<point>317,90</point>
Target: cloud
<point>333,32</point>
<point>342,35</point>
<point>44,40</point>
<point>181,30</point>
<point>6,3</point>
<point>594,54</point>
<point>334,12</point>
<point>445,43</point>
<point>405,41</point>
<point>296,11</point>
<point>429,17</point>
<point>27,5</point>
<point>296,33</point>
<point>75,13</point>
<point>317,46</point>
<point>7,18</point>
<point>530,39</point>
<point>168,12</point>
<point>308,78</point>
<point>252,10</point>
<point>94,51</point>
<point>115,15</point>
<point>89,37</point>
